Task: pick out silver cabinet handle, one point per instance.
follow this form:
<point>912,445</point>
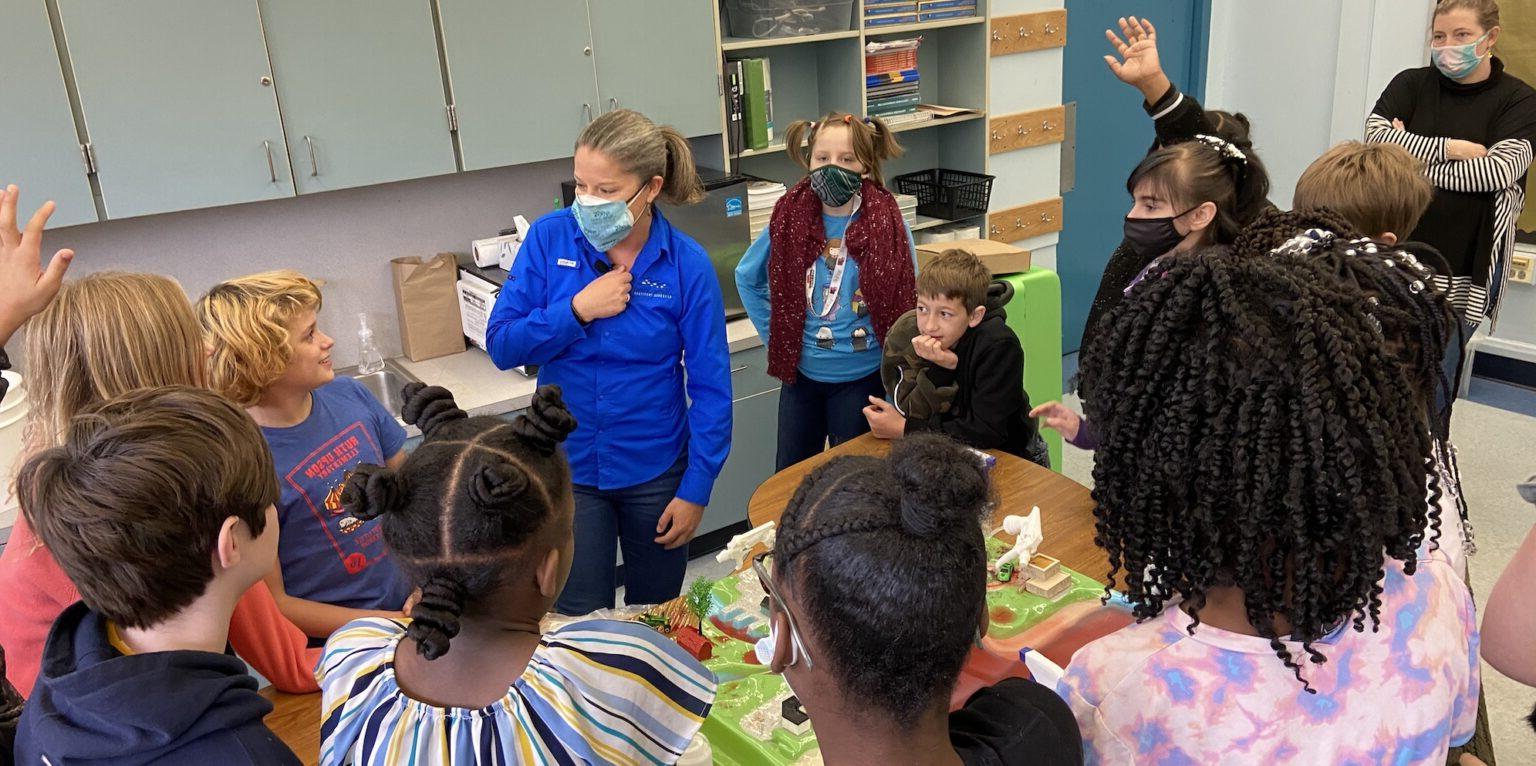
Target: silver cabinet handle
<point>735,370</point>
<point>613,104</point>
<point>587,110</point>
<point>314,165</point>
<point>271,167</point>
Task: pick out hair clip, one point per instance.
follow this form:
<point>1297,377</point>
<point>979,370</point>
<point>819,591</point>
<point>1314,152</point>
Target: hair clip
<point>1224,147</point>
<point>847,119</point>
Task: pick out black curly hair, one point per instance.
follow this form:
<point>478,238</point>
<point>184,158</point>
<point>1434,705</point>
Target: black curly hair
<point>1256,433</point>
<point>1416,319</point>
<point>887,563</point>
<point>459,513</point>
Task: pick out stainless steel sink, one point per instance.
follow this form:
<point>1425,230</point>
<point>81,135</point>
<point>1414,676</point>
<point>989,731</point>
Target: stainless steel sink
<point>385,384</point>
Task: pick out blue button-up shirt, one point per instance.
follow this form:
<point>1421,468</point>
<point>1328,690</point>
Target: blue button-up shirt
<point>623,377</point>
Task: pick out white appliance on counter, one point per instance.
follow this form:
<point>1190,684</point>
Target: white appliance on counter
<point>13,419</point>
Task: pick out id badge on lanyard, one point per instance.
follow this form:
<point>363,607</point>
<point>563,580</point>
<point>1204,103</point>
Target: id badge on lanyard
<point>839,253</point>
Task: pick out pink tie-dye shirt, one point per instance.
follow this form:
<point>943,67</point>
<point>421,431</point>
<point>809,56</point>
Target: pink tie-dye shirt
<point>1154,694</point>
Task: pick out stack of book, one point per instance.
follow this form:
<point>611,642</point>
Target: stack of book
<point>761,197</point>
<point>749,104</point>
<point>938,10</point>
<point>891,78</point>
<point>885,13</point>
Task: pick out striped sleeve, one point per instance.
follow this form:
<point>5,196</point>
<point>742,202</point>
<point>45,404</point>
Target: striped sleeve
<point>621,689</point>
<point>1379,130</point>
<point>350,673</point>
<point>1506,163</point>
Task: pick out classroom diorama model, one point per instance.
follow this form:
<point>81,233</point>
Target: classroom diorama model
<point>1038,608</point>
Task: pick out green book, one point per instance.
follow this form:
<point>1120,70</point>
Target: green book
<point>755,104</point>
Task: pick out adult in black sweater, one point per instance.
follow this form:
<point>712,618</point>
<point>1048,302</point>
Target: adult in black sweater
<point>1176,117</point>
<point>1473,125</point>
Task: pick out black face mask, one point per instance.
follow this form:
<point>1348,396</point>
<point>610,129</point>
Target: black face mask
<point>1152,237</point>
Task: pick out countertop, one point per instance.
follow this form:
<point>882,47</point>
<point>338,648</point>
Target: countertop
<point>481,389</point>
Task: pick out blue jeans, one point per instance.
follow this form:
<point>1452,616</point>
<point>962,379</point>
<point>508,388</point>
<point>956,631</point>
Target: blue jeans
<point>812,413</point>
<point>606,519</point>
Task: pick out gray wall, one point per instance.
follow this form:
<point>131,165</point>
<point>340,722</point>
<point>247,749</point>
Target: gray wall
<point>345,237</point>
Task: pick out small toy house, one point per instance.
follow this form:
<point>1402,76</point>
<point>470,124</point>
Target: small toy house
<point>794,718</point>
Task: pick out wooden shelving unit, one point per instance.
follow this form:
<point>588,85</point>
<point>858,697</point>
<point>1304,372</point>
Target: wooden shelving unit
<point>816,74</point>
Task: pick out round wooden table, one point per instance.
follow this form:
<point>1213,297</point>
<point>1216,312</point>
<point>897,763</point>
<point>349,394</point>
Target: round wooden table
<point>1066,507</point>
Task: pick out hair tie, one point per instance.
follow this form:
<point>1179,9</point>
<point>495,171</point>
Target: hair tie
<point>847,119</point>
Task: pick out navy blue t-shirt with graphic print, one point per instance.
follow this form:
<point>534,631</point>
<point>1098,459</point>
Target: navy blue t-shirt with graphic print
<point>327,555</point>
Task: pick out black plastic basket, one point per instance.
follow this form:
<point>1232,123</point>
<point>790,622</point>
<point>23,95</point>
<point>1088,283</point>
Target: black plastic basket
<point>948,194</point>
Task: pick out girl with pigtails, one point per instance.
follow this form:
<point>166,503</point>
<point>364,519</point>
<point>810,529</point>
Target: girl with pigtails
<point>833,271</point>
<point>479,517</point>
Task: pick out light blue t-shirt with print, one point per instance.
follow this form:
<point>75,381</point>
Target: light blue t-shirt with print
<point>832,350</point>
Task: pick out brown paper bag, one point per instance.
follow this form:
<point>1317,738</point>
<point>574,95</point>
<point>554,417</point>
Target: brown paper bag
<point>427,302</point>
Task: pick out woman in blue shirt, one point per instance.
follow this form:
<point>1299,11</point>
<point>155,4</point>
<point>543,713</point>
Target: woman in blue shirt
<point>615,306</point>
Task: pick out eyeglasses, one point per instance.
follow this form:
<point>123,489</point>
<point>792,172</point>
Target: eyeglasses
<point>761,569</point>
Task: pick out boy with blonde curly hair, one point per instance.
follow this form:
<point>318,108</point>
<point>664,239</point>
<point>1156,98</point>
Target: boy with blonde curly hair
<point>268,355</point>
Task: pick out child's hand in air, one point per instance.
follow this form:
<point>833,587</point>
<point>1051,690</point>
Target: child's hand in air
<point>1138,65</point>
<point>884,421</point>
<point>934,351</point>
<point>1059,417</point>
<point>26,286</point>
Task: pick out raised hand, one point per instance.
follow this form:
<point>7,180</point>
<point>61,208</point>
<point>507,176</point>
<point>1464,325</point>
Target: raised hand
<point>26,287</point>
<point>1138,64</point>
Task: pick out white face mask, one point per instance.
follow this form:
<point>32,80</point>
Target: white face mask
<point>766,647</point>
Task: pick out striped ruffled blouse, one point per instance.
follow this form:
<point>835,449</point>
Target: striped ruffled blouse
<point>596,691</point>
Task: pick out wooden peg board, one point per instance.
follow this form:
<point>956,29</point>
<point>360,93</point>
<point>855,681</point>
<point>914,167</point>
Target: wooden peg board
<point>1029,32</point>
<point>1025,129</point>
<point>1025,221</point>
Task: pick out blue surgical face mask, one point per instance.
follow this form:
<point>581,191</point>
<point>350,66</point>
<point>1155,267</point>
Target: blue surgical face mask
<point>1458,61</point>
<point>605,222</point>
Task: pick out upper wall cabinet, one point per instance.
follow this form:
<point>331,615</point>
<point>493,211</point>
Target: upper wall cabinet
<point>178,103</point>
<point>522,78</point>
<point>41,152</point>
<point>659,58</point>
<point>361,91</point>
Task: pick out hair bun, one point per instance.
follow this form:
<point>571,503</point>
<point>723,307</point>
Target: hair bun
<point>371,491</point>
<point>941,483</point>
<point>428,407</point>
<point>496,486</point>
<point>435,618</point>
<point>547,422</point>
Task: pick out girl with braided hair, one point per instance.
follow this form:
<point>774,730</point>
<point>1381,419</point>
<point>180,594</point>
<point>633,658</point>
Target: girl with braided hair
<point>1260,496</point>
<point>875,661</point>
<point>480,518</point>
<point>1417,324</point>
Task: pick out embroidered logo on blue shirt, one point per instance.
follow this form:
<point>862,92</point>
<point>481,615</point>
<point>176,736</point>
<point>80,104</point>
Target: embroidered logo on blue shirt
<point>565,262</point>
<point>650,288</point>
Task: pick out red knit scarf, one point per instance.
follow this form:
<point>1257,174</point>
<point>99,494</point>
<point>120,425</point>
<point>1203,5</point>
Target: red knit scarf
<point>876,240</point>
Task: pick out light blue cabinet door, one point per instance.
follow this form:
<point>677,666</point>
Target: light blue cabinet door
<point>659,58</point>
<point>754,440</point>
<point>175,104</point>
<point>361,91</point>
<point>40,151</point>
<point>522,78</point>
